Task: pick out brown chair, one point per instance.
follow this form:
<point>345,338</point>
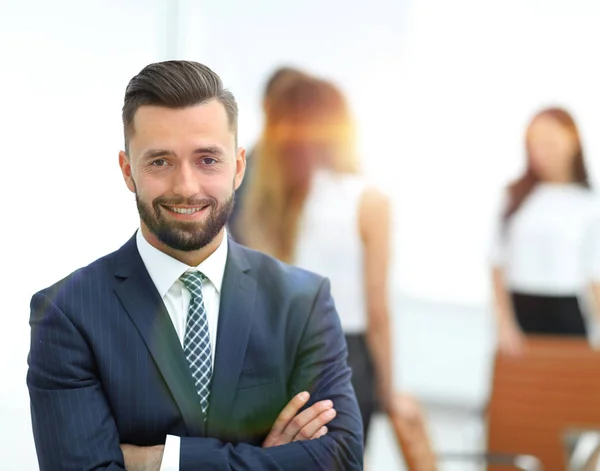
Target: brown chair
<point>536,398</point>
<point>413,440</point>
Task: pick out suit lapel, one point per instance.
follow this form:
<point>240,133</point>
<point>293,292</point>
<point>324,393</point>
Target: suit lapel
<point>147,311</point>
<point>236,314</point>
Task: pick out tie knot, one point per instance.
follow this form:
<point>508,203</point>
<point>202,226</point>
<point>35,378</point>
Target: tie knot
<point>193,282</point>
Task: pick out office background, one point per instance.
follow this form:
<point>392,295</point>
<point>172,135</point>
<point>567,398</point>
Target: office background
<point>442,92</point>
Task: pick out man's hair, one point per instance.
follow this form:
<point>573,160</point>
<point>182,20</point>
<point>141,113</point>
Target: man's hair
<point>175,84</point>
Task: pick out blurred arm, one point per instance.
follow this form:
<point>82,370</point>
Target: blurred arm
<point>510,337</point>
<point>593,243</point>
<point>596,300</point>
<point>502,303</point>
<point>375,227</point>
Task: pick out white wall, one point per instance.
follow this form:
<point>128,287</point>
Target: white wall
<point>64,68</point>
<point>442,91</point>
<point>471,75</point>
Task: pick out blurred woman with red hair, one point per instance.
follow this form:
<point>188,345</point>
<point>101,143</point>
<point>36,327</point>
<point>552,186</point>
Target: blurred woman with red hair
<point>308,205</point>
<point>547,253</point>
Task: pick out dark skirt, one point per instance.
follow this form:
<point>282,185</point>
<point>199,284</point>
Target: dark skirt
<point>549,315</point>
<point>363,377</point>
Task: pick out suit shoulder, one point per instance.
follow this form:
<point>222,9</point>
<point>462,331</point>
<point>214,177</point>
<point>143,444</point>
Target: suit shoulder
<point>273,271</point>
<point>96,273</point>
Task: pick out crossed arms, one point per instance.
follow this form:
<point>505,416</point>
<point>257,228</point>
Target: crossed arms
<point>291,426</point>
<point>74,429</point>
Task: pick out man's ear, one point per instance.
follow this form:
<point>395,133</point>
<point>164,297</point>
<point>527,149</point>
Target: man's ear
<point>125,165</point>
<point>240,166</point>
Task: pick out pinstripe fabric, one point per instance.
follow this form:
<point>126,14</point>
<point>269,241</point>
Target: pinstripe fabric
<point>106,367</point>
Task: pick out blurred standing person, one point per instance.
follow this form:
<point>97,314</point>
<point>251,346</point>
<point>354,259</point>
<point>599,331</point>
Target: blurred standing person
<point>547,251</point>
<point>278,79</point>
<point>308,205</point>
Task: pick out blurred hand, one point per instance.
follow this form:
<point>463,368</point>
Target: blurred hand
<point>142,458</point>
<point>309,424</point>
<point>511,341</point>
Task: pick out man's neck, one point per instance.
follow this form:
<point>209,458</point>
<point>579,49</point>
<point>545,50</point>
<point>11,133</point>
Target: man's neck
<point>193,258</point>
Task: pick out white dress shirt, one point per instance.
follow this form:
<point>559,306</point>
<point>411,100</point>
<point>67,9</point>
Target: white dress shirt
<point>551,245</point>
<point>165,271</point>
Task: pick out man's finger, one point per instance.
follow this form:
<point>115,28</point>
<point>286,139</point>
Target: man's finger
<point>285,417</point>
<point>315,425</point>
<point>321,432</point>
<point>304,418</point>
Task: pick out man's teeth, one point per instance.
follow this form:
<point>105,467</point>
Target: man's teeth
<point>185,210</point>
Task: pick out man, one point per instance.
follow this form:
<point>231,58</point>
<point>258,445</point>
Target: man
<point>279,79</point>
<point>183,337</point>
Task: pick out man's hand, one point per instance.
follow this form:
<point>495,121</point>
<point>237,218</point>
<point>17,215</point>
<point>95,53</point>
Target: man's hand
<point>308,425</point>
<point>142,458</point>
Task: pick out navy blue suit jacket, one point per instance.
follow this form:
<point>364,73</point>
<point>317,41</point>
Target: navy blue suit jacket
<point>106,367</point>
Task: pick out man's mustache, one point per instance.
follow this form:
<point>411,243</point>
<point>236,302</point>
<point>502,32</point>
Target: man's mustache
<point>179,201</point>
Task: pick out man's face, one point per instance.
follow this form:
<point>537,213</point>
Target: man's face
<point>183,167</point>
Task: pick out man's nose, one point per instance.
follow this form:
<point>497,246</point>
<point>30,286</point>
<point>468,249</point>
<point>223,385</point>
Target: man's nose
<point>186,181</point>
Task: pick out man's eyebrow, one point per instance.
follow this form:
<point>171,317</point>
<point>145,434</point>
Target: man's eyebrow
<point>154,153</point>
<point>214,150</point>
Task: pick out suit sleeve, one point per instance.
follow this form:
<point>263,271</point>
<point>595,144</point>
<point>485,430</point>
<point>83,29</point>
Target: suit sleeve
<point>320,368</point>
<point>73,427</point>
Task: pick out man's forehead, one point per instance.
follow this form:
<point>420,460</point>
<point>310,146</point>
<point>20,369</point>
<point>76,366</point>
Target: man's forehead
<point>206,121</point>
<point>211,111</point>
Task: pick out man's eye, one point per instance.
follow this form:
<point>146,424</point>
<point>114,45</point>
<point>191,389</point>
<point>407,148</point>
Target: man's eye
<point>208,161</point>
<point>159,163</point>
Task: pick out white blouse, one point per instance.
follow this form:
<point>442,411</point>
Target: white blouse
<point>329,243</point>
<point>551,245</point>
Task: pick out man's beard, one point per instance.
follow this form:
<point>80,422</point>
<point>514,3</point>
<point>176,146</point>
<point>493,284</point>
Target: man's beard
<point>183,235</point>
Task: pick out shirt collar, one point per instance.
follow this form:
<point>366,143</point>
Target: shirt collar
<point>164,270</point>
